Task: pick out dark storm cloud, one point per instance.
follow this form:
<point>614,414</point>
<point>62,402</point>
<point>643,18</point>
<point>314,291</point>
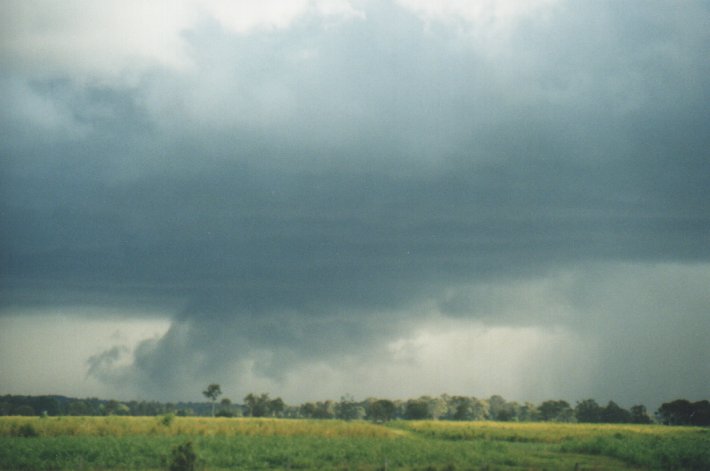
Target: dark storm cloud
<point>299,184</point>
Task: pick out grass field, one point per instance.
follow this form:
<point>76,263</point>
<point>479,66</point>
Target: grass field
<point>147,442</point>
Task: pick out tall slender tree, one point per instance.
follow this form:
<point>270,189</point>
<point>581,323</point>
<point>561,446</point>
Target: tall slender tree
<point>212,392</point>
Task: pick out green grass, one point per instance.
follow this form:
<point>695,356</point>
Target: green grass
<point>129,443</point>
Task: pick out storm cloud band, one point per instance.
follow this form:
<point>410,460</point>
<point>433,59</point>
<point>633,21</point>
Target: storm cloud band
<point>322,184</point>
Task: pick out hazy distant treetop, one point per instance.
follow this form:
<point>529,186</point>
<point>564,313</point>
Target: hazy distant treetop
<point>212,392</point>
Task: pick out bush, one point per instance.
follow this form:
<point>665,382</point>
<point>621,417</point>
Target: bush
<point>167,419</point>
<point>183,458</point>
<point>25,430</point>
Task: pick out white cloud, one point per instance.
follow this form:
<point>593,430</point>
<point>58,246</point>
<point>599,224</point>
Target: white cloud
<point>113,40</point>
<point>339,8</point>
<point>96,39</point>
<point>46,352</point>
<point>480,13</point>
<point>246,16</point>
<point>486,25</point>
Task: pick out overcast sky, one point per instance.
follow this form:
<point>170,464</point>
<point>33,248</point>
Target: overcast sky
<point>382,198</point>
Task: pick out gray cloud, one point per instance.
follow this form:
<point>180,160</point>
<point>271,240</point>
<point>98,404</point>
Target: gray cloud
<point>316,191</point>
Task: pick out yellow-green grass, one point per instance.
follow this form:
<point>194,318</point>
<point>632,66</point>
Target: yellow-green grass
<point>645,446</point>
<point>544,432</point>
<point>146,442</point>
<point>117,426</point>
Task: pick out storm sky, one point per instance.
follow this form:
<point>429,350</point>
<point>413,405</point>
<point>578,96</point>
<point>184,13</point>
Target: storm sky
<point>315,198</point>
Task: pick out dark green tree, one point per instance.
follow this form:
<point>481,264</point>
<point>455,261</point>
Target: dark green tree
<point>500,409</point>
<point>684,412</point>
<point>225,408</point>
<point>416,409</point>
<point>614,414</point>
<point>263,406</point>
<point>276,407</point>
<point>528,412</point>
<point>557,411</point>
<point>212,392</point>
<point>588,411</point>
<point>382,410</point>
<point>675,412</point>
<point>458,408</point>
<point>308,410</point>
<point>639,415</point>
<point>496,406</point>
<point>347,409</point>
<point>325,410</point>
<point>701,413</point>
<point>78,407</point>
<point>24,410</point>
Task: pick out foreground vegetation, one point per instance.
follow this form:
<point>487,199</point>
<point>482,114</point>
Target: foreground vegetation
<point>151,443</point>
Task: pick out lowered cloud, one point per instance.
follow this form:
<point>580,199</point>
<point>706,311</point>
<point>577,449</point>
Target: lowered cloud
<point>304,188</point>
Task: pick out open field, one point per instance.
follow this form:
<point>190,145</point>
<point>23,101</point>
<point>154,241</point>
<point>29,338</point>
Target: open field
<point>146,443</point>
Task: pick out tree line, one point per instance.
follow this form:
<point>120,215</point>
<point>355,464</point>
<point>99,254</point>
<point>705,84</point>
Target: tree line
<point>444,407</point>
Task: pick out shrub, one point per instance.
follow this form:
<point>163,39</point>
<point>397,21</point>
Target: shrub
<point>25,430</point>
<point>167,419</point>
<point>183,458</point>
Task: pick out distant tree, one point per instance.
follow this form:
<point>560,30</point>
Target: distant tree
<point>466,408</point>
<point>675,413</point>
<point>588,411</point>
<point>701,413</point>
<point>459,408</point>
<point>382,410</point>
<point>25,410</point>
<point>307,410</point>
<point>263,406</point>
<point>528,412</point>
<point>557,411</point>
<point>684,412</point>
<point>212,392</point>
<point>225,408</point>
<point>292,412</point>
<point>639,415</point>
<point>48,404</point>
<point>416,409</point>
<point>113,407</point>
<point>78,407</point>
<point>325,410</point>
<point>276,407</point>
<point>348,409</point>
<point>479,409</point>
<point>614,414</point>
<point>254,405</point>
<point>500,409</point>
<point>496,407</point>
<point>438,406</point>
